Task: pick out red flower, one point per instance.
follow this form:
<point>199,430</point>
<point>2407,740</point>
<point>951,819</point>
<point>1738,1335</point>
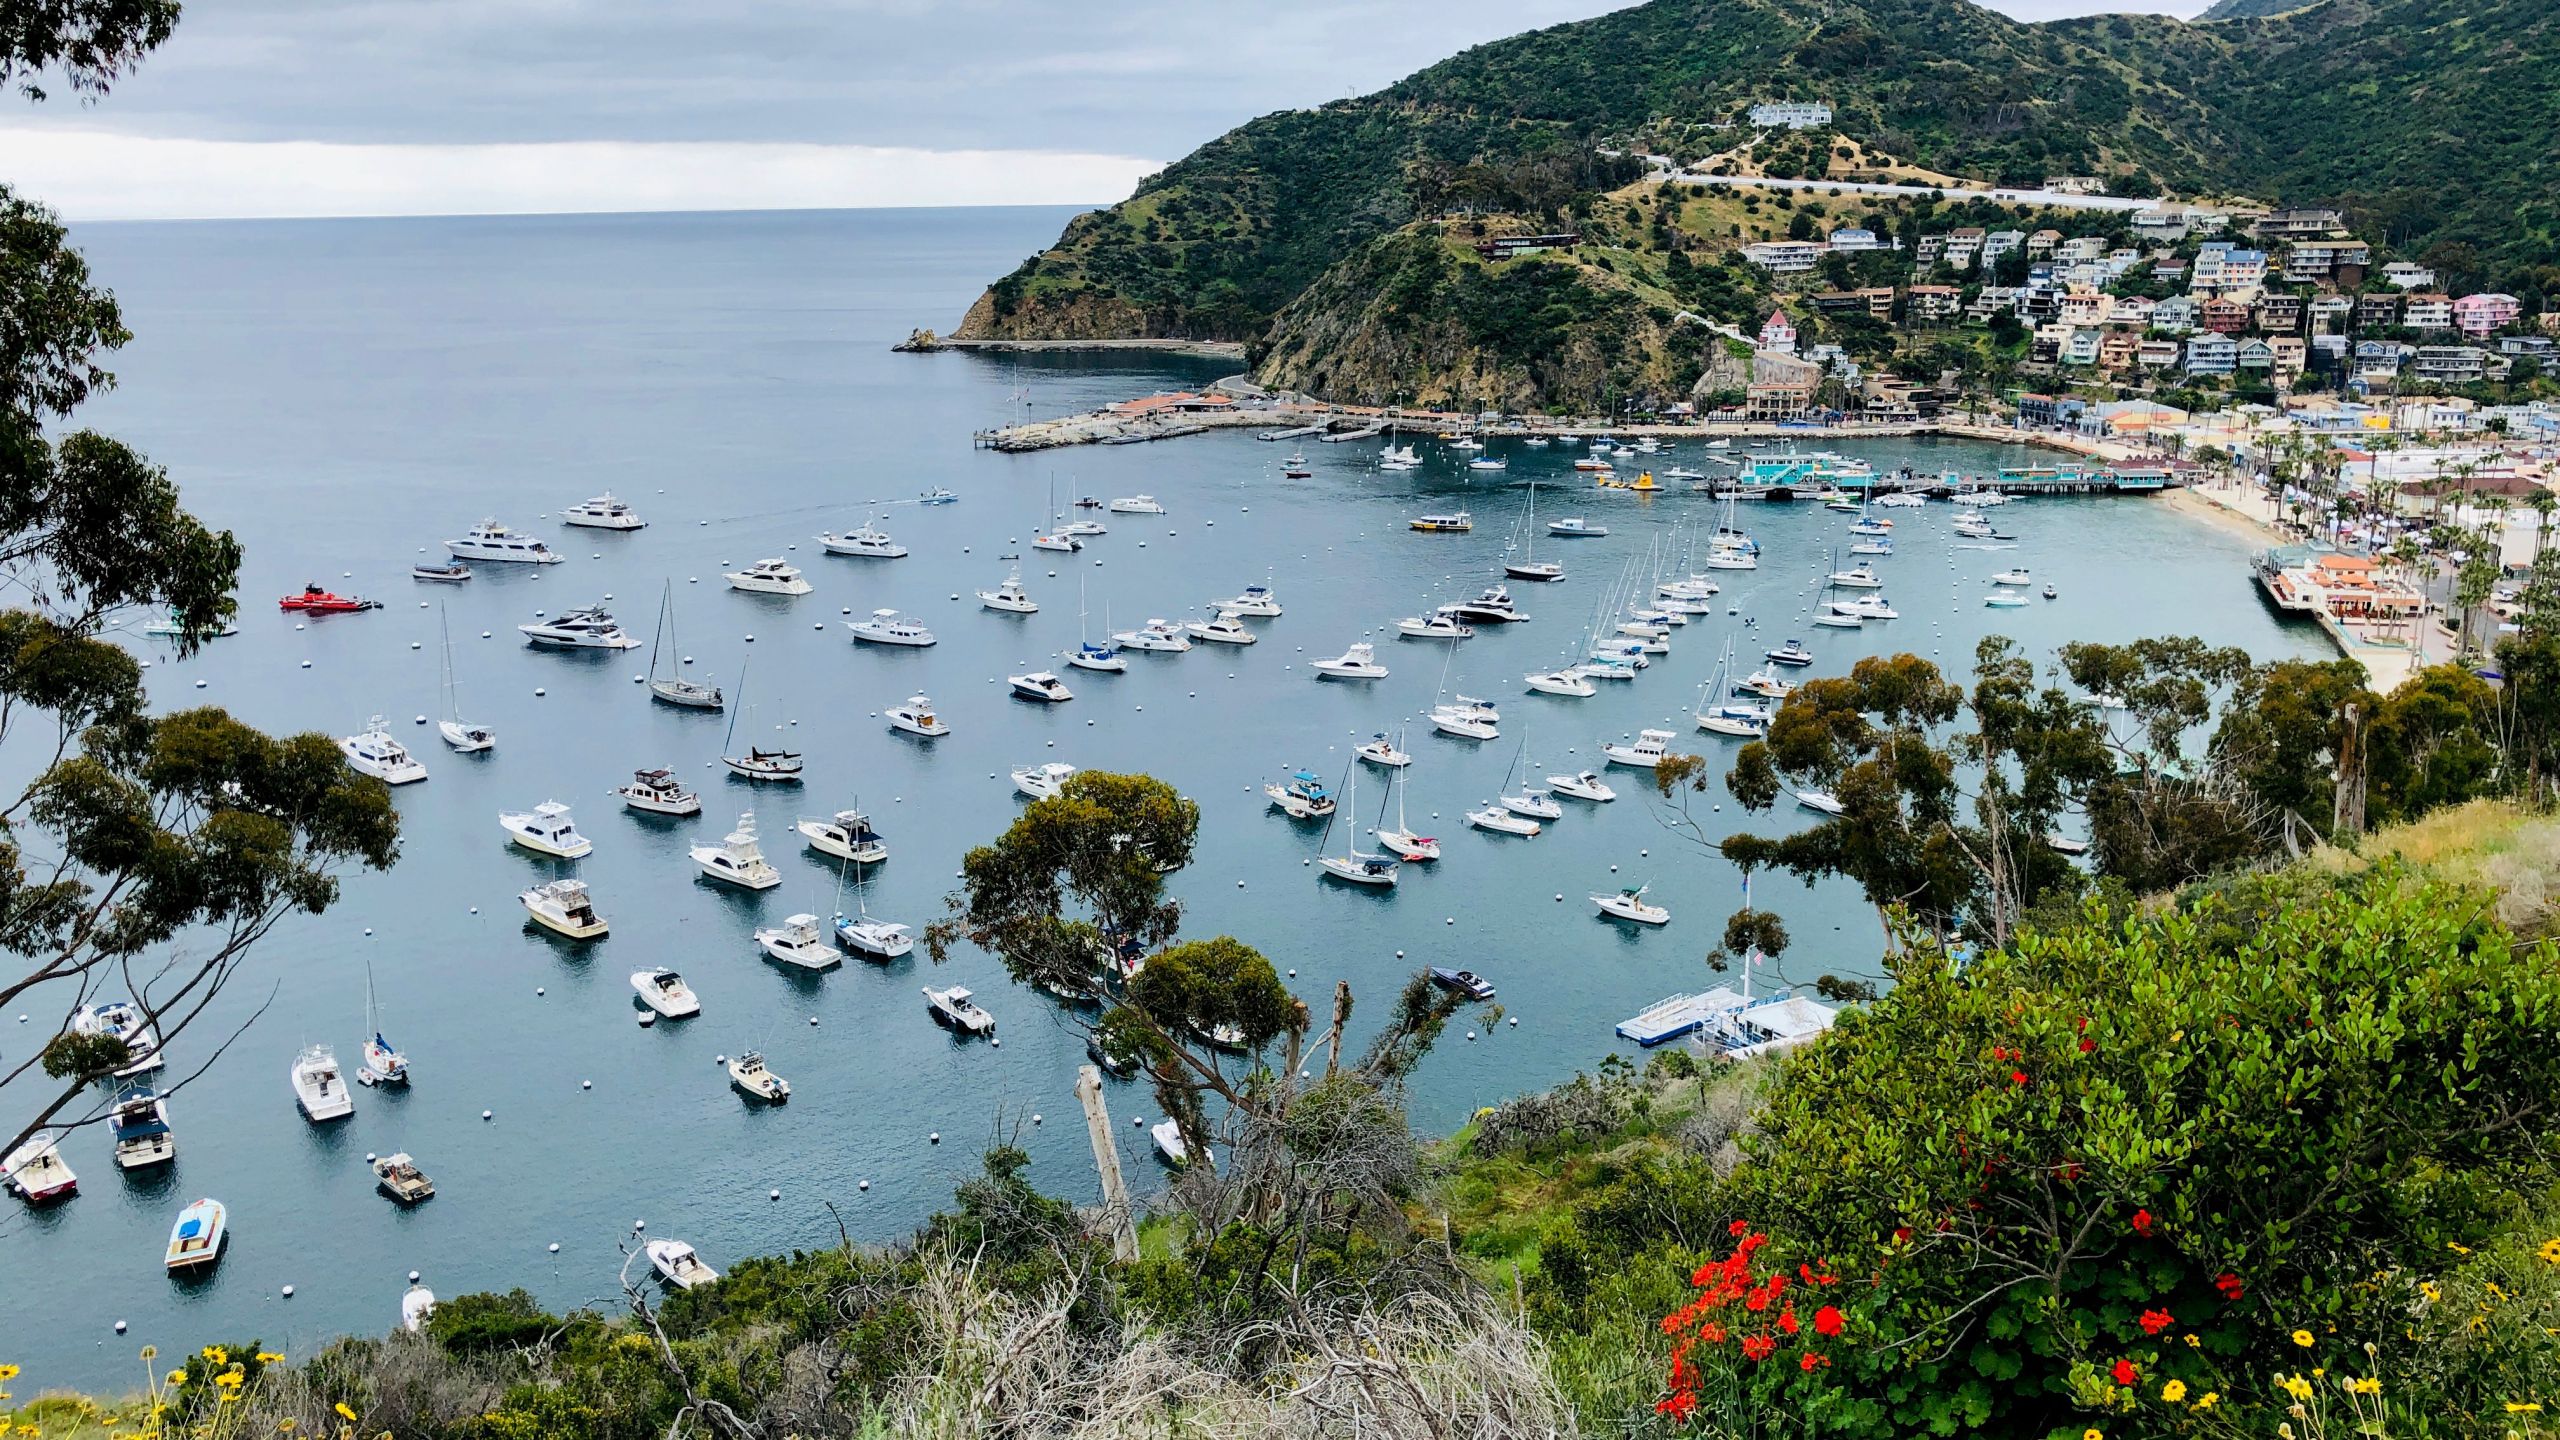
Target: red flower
<point>2081,1025</point>
<point>1757,1347</point>
<point>1677,1405</point>
<point>2155,1321</point>
<point>1812,1362</point>
<point>2142,1222</point>
<point>1827,1321</point>
<point>2229,1284</point>
<point>1787,1320</point>
<point>1738,1227</point>
<point>2124,1372</point>
<point>1902,1234</point>
<point>1712,1333</point>
<point>2017,1077</point>
<point>1758,1299</point>
<point>2087,1045</point>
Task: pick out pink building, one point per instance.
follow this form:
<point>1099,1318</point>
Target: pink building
<point>1778,334</point>
<point>2485,314</point>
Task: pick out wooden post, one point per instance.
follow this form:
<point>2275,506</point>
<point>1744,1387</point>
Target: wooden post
<point>1106,1160</point>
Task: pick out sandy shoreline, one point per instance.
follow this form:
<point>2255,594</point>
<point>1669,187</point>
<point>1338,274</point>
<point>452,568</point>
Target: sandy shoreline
<point>2209,506</point>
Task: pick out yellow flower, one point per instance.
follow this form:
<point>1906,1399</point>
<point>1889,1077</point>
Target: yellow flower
<point>2550,1251</point>
<point>2295,1386</point>
<point>177,1377</point>
<point>2523,1407</point>
<point>269,1357</point>
<point>2193,1343</point>
<point>344,1412</point>
<point>150,1352</point>
<point>8,1372</point>
<point>216,1354</point>
<point>2302,1338</point>
<point>2368,1385</point>
<point>2457,1249</point>
<point>2430,1291</point>
<point>231,1378</point>
<point>2093,1433</point>
<point>2208,1399</point>
<point>2174,1391</point>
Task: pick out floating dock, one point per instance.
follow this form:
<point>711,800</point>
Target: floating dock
<point>1677,1016</point>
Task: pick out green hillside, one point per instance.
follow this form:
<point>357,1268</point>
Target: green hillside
<point>2252,9</point>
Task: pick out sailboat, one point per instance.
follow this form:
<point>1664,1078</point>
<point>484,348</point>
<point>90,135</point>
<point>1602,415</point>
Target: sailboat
<point>1052,538</point>
<point>1106,656</point>
<point>383,1065</point>
<point>1828,613</point>
<point>1533,801</point>
<point>881,940</point>
<point>673,688</point>
<point>1401,839</point>
<point>779,766</point>
<point>1354,865</point>
<point>1718,716</point>
<point>458,733</point>
<point>1528,566</point>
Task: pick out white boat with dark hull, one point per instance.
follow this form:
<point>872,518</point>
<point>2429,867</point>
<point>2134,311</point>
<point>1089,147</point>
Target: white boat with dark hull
<point>1360,662</point>
<point>676,1264</point>
<point>320,1087</point>
<point>888,627</point>
<point>373,752</point>
<point>799,941</point>
<point>490,540</point>
<point>864,543</point>
<point>659,792</point>
<point>776,576</point>
<point>665,992</point>
<point>1157,635</point>
<point>1646,752</point>
<point>602,513</point>
<point>196,1241</point>
<point>747,1071</point>
<point>737,859</point>
<point>546,829</point>
<point>1631,905</point>
<point>140,1124</point>
<point>36,1172</point>
<point>1493,607</point>
<point>916,717</point>
<point>1043,782</point>
<point>847,836</point>
<point>1040,685</point>
<point>590,628</point>
<point>1529,566</point>
<point>955,1009</point>
<point>127,1022</point>
<point>1791,653</point>
<point>565,908</point>
<point>1583,785</point>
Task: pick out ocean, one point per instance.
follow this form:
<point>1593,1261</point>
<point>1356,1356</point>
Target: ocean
<point>348,394</point>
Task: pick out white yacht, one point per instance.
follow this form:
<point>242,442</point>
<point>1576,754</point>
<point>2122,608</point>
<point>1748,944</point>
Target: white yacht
<point>1040,685</point>
<point>1569,682</point>
<point>888,627</point>
<point>1256,601</point>
<point>1821,802</point>
<point>776,576</point>
<point>1696,586</point>
<point>2005,599</point>
<point>865,543</point>
<point>141,1126</point>
<point>1495,818</point>
<point>958,1010</point>
<point>1746,722</point>
<point>1156,634</point>
<point>1302,797</point>
<point>1493,607</point>
<point>1043,782</point>
<point>1583,785</point>
<point>1764,682</point>
<point>737,859</point>
<point>37,1171</point>
<point>2019,576</point>
<point>1861,576</point>
<point>1010,597</point>
<point>320,1087</point>
<point>1084,528</point>
<point>873,939</point>
<point>1440,624</point>
<point>660,793</point>
<point>800,941</point>
<point>546,829</point>
<point>916,717</point>
<point>1867,607</point>
<point>1473,708</point>
<point>1224,630</point>
<point>1382,751</point>
<point>196,1240</point>
<point>676,1264</point>
<point>602,513</point>
<point>1463,722</point>
<point>665,992</point>
<point>490,540</point>
<point>1649,749</point>
<point>565,908</point>
<point>373,752</point>
<point>1360,662</point>
<point>1136,505</point>
<point>591,628</point>
<point>127,1022</point>
<point>749,1074</point>
<point>1630,905</point>
<point>1166,1135</point>
<point>1574,527</point>
<point>459,733</point>
<point>1057,540</point>
<point>847,836</point>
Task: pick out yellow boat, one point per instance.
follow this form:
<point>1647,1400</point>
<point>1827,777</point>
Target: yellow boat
<point>1641,485</point>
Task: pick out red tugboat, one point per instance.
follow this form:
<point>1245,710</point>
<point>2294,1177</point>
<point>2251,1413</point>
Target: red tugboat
<point>317,601</point>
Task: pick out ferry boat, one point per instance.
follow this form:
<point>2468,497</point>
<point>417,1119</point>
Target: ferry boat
<point>564,907</point>
<point>490,540</point>
<point>1456,524</point>
<point>1791,474</point>
<point>316,601</point>
<point>602,513</point>
<point>588,628</point>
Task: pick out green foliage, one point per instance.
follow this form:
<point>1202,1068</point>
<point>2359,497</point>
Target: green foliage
<point>91,43</point>
<point>485,1320</point>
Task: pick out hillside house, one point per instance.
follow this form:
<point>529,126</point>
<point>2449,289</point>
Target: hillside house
<point>1993,300</point>
<point>2085,307</point>
<point>2075,185</point>
<point>2327,262</point>
<point>2132,312</point>
<point>1785,257</point>
<point>1931,250</point>
<point>2254,357</point>
<point>1933,304</point>
<point>2222,269</point>
<point>1778,334</point>
<point>2330,314</point>
<point>2002,242</point>
<point>2380,359</point>
<point>2483,315</point>
<point>2279,313</point>
<point>2449,364</point>
<point>1963,244</point>
<point>2081,348</point>
<point>2116,350</point>
<point>2300,224</point>
<point>2156,354</point>
<point>2080,249</point>
<point>1789,114</point>
<point>2408,275</point>
<point>2224,316</point>
<point>2161,224</point>
<point>2427,312</point>
<point>2176,315</point>
<point>2040,244</point>
<point>2292,356</point>
<point>2212,355</point>
<point>1874,300</point>
<point>2377,310</point>
<point>1854,237</point>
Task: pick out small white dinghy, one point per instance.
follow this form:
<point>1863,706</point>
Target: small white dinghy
<point>747,1072</point>
<point>665,992</point>
<point>957,1010</point>
<point>676,1264</point>
<point>1630,905</point>
<point>799,941</point>
<point>319,1087</point>
<point>546,829</point>
<point>416,1304</point>
<point>196,1240</point>
<point>565,908</point>
<point>916,717</point>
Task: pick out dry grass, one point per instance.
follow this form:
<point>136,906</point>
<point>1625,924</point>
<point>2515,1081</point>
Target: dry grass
<point>2493,844</point>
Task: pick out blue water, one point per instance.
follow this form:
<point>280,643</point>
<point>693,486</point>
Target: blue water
<point>346,394</point>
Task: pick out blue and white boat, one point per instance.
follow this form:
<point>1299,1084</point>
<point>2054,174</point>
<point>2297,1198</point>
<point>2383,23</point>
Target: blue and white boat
<point>1303,797</point>
<point>140,1124</point>
<point>196,1240</point>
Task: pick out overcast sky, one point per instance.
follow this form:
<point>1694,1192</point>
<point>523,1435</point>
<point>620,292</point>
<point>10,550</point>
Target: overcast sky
<point>289,107</point>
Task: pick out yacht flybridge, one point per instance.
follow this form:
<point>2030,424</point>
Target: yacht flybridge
<point>799,941</point>
<point>1301,797</point>
<point>916,717</point>
<point>546,829</point>
<point>490,540</point>
<point>660,793</point>
<point>1010,597</point>
<point>737,859</point>
<point>564,907</point>
<point>373,752</point>
<point>1156,634</point>
<point>1256,600</point>
<point>1647,752</point>
<point>1043,782</point>
<point>319,1087</point>
<point>846,836</point>
<point>602,513</point>
<point>1631,905</point>
<point>776,576</point>
<point>1360,662</point>
<point>589,628</point>
<point>888,627</point>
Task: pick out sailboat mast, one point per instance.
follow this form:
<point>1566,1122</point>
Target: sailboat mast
<point>733,715</point>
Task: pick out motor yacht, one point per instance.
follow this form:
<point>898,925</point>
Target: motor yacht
<point>1791,653</point>
<point>1631,905</point>
<point>665,992</point>
<point>1583,785</point>
<point>1040,685</point>
<point>1821,801</point>
<point>1470,706</point>
<point>319,1087</point>
<point>1592,465</point>
<point>602,513</point>
<point>660,793</point>
<point>546,829</point>
<point>1683,605</point>
<point>1043,782</point>
<point>1574,527</point>
<point>1136,505</point>
<point>916,717</point>
<point>1463,982</point>
<point>737,859</point>
<point>36,1171</point>
<point>1728,557</point>
<point>453,574</point>
<point>1747,722</point>
<point>2019,576</point>
<point>2005,599</point>
<point>863,543</point>
<point>591,628</point>
<point>1493,607</point>
<point>1360,662</point>
<point>888,627</point>
<point>1440,624</point>
<point>1535,802</point>
<point>140,1124</point>
<point>1861,576</point>
<point>938,495</point>
<point>1226,629</point>
<point>1256,600</point>
<point>398,1176</point>
<point>1867,607</point>
<point>490,540</point>
<point>1973,527</point>
<point>1399,457</point>
<point>564,908</point>
<point>676,1264</point>
<point>1382,751</point>
<point>1464,722</point>
<point>957,1010</point>
<point>846,836</point>
<point>1872,547</point>
<point>196,1240</point>
<point>1084,529</point>
<point>747,1071</point>
<point>776,576</point>
<point>1458,523</point>
<point>127,1022</point>
<point>1156,634</point>
<point>1501,821</point>
<point>1010,597</point>
<point>1171,1148</point>
<point>1569,682</point>
<point>799,941</point>
<point>373,752</point>
<point>1646,752</point>
<point>1698,586</point>
<point>873,939</point>
<point>1764,682</point>
<point>1302,796</point>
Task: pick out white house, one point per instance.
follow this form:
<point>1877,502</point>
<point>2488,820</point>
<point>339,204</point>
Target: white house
<point>1778,333</point>
<point>2408,275</point>
<point>1790,114</point>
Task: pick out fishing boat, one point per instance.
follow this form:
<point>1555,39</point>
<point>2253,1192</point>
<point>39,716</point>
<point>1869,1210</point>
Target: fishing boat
<point>399,1177</point>
<point>678,1265</point>
<point>1441,624</point>
<point>1257,601</point>
<point>1360,662</point>
<point>1354,866</point>
<point>1379,750</point>
<point>1226,629</point>
<point>383,1062</point>
<point>777,766</point>
<point>847,836</point>
<point>588,628</point>
<point>1583,785</point>
<point>957,1010</point>
<point>737,859</point>
<point>602,513</point>
<point>917,717</point>
<point>665,992</point>
<point>373,752</point>
<point>1764,682</point>
<point>140,1124</point>
<point>1301,797</point>
<point>127,1022</point>
<point>672,687</point>
<point>417,1303</point>
<point>316,601</point>
<point>319,1087</point>
<point>1463,982</point>
<point>889,627</point>
<point>1631,905</point>
<point>938,495</point>
<point>1493,606</point>
<point>196,1240</point>
<point>1791,653</point>
<point>798,940</point>
<point>1646,752</point>
<point>1010,597</point>
<point>459,733</point>
<point>1458,523</point>
<point>864,542</point>
<point>747,1071</point>
<point>490,540</point>
<point>564,907</point>
<point>1136,505</point>
<point>1040,685</point>
<point>1157,634</point>
<point>546,829</point>
<point>36,1172</point>
<point>1043,782</point>
<point>1569,682</point>
<point>659,792</point>
<point>2005,599</point>
<point>453,574</point>
<point>776,576</point>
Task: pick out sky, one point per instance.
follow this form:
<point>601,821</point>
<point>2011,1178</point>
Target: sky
<point>407,107</point>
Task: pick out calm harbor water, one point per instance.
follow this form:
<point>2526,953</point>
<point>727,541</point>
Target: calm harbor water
<point>347,394</point>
